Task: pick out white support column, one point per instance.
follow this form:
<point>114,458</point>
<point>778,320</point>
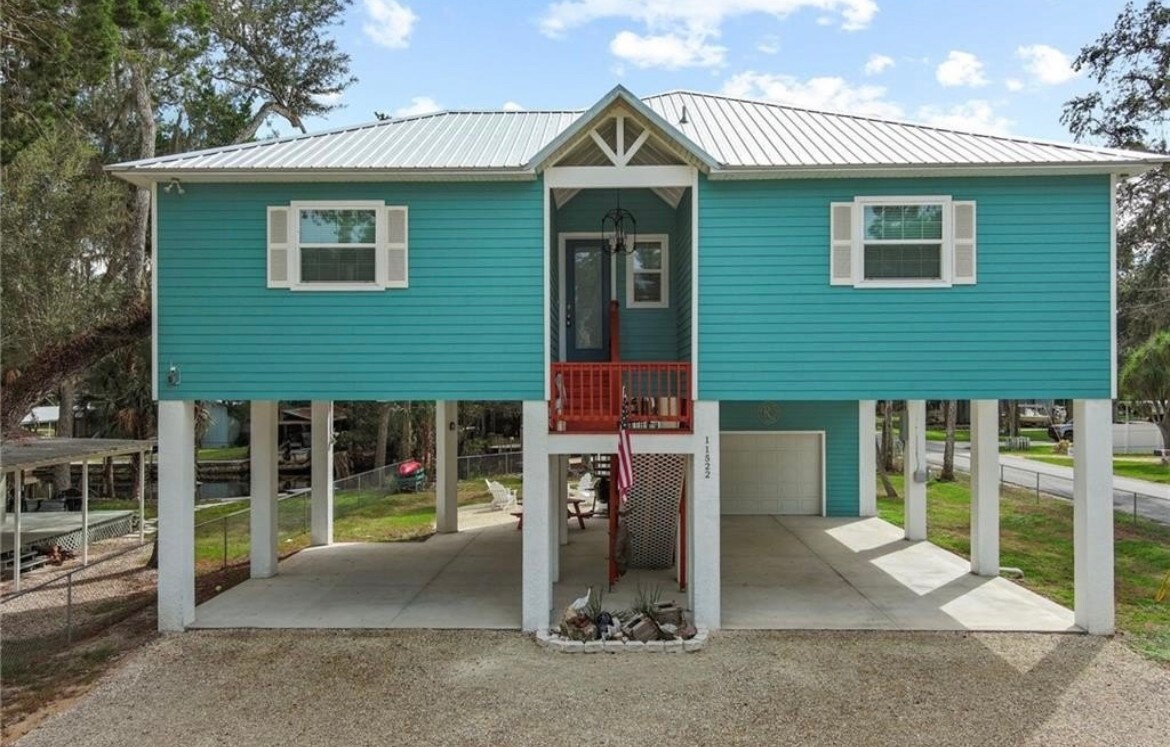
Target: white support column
<point>17,499</point>
<point>142,496</point>
<point>559,535</point>
<point>264,459</point>
<point>321,505</point>
<point>866,458</point>
<point>1093,516</point>
<point>176,514</point>
<point>985,487</point>
<point>539,537</point>
<point>561,491</point>
<point>705,521</point>
<point>447,466</point>
<point>85,512</point>
<point>915,469</point>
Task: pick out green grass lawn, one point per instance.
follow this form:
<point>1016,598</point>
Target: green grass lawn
<point>1139,468</point>
<point>964,434</point>
<point>1036,536</point>
<point>358,516</point>
<point>223,453</point>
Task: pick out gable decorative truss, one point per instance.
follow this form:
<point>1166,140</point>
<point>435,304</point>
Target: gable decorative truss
<point>620,139</point>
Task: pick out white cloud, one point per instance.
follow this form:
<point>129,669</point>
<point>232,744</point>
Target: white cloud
<point>328,99</point>
<point>1014,84</point>
<point>976,115</point>
<point>512,106</point>
<point>389,23</point>
<point>1047,65</point>
<point>704,16</point>
<point>668,51</point>
<point>769,45</point>
<point>878,64</point>
<point>682,33</point>
<point>418,105</point>
<point>831,93</point>
<point>960,69</point>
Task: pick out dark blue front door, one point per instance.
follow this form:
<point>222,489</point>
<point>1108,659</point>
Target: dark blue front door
<point>587,292</point>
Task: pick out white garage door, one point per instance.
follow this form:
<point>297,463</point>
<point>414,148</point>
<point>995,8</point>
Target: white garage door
<point>771,473</point>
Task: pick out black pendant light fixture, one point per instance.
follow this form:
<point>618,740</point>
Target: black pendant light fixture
<point>619,230</point>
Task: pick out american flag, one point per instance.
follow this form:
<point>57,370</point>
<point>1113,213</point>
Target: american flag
<point>625,454</point>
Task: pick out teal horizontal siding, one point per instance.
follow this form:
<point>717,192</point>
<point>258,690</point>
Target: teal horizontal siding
<point>681,261</point>
<point>468,327</point>
<point>1036,324</point>
<point>839,422</point>
<point>646,334</point>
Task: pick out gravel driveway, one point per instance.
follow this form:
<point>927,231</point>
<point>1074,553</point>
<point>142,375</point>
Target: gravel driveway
<point>419,687</point>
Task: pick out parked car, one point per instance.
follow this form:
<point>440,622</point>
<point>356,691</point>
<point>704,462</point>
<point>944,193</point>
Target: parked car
<point>1061,432</point>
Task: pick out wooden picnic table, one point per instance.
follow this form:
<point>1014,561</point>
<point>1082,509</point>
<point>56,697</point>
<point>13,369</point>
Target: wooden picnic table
<point>572,510</point>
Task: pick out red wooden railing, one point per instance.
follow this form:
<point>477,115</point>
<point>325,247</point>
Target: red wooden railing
<point>587,397</point>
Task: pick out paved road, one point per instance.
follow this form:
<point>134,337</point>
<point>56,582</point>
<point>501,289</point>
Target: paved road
<point>1152,499</point>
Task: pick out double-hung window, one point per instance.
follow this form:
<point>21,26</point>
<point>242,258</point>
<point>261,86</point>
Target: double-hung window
<point>648,274</point>
<point>902,242</point>
<point>358,245</point>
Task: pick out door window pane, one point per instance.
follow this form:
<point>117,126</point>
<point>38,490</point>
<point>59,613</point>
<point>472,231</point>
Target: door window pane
<point>587,298</point>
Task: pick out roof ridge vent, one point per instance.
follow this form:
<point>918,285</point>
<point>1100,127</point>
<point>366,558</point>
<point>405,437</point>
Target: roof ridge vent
<point>682,120</point>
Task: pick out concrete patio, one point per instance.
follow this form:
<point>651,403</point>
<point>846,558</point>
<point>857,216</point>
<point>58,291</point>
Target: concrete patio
<point>777,573</point>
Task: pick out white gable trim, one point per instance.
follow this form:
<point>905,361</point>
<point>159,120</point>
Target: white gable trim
<point>591,177</point>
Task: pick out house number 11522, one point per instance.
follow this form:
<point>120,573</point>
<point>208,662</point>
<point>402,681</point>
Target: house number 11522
<point>707,458</point>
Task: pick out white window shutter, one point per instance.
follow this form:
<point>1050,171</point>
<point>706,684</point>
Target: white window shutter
<point>841,243</point>
<point>964,243</point>
<point>279,249</point>
<point>397,233</point>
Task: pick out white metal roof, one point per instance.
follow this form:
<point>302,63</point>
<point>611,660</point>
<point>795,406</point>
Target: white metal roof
<point>725,134</point>
<point>741,133</point>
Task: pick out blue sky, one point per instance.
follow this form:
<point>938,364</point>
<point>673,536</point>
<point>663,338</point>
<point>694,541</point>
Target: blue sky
<point>990,65</point>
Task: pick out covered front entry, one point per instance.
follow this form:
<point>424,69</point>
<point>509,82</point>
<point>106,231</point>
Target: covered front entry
<point>806,572</point>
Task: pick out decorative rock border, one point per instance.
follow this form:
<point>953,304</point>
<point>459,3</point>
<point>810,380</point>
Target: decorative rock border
<point>549,640</point>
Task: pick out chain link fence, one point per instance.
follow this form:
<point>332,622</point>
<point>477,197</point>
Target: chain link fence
<point>73,605</point>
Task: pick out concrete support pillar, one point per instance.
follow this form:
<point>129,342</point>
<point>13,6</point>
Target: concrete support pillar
<point>985,487</point>
<point>539,533</point>
<point>704,522</point>
<point>560,506</point>
<point>321,508</point>
<point>914,467</point>
<point>176,515</point>
<point>17,510</point>
<point>447,466</point>
<point>85,512</point>
<point>556,503</point>
<point>264,488</point>
<point>867,457</point>
<point>1093,516</point>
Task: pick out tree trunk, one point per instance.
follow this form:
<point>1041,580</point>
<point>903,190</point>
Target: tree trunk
<point>1013,418</point>
<point>108,477</point>
<point>891,491</point>
<point>67,400</point>
<point>887,455</point>
<point>948,469</point>
<point>148,134</point>
<point>1164,426</point>
<point>384,413</point>
<point>66,359</point>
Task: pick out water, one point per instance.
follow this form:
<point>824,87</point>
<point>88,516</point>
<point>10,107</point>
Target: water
<point>210,491</point>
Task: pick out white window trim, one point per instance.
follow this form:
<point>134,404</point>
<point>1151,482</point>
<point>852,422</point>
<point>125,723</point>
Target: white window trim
<point>380,243</point>
<point>948,241</point>
<point>663,240</point>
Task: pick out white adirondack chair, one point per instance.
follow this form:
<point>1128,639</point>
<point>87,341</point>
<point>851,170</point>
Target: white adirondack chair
<point>502,498</point>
